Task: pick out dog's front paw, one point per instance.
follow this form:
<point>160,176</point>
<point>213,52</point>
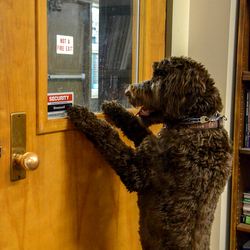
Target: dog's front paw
<point>79,115</point>
<point>112,108</point>
<point>76,112</point>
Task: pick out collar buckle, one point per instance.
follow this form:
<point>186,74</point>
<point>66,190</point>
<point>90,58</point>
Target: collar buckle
<point>204,119</point>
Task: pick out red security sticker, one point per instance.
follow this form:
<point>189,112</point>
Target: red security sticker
<point>59,102</point>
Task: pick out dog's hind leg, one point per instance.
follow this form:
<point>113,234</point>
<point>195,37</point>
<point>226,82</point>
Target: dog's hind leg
<point>130,164</point>
<point>126,121</point>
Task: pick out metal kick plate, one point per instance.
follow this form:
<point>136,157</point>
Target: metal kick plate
<point>17,144</point>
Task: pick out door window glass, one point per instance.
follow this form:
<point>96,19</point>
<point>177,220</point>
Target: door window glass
<point>90,52</point>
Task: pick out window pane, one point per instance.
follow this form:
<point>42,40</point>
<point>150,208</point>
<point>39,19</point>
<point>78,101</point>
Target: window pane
<point>89,53</point>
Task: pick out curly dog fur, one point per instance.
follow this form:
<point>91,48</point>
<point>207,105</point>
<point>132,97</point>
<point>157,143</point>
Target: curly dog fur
<point>178,174</point>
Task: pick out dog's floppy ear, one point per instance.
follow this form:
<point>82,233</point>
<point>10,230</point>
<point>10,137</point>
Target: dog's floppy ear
<point>182,92</point>
<point>194,88</point>
<point>194,85</point>
<point>201,96</point>
<point>191,93</point>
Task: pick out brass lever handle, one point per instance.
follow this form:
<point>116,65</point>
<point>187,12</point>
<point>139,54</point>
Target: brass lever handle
<point>29,160</point>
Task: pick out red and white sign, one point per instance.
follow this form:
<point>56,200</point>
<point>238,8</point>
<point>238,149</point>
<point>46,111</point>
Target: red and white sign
<point>60,97</point>
<point>64,45</point>
<point>59,102</point>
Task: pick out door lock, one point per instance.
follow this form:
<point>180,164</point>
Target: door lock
<point>20,160</point>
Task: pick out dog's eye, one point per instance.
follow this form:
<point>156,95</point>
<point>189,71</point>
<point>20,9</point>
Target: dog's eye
<point>155,79</point>
<point>160,74</point>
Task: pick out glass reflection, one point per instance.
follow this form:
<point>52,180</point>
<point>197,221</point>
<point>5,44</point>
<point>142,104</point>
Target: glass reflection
<point>90,46</point>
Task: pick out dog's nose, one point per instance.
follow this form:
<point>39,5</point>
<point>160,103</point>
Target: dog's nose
<point>127,93</point>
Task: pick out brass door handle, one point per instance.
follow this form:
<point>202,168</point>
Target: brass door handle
<point>20,161</point>
<point>28,161</point>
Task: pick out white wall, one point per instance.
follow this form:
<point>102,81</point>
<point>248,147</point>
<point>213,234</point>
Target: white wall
<point>207,32</point>
<point>180,27</point>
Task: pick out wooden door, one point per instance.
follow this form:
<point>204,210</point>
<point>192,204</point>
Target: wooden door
<point>73,200</point>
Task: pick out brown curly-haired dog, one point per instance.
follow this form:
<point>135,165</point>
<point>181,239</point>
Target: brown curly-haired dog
<point>178,174</point>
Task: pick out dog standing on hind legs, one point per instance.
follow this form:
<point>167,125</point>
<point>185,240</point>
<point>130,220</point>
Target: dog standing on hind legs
<point>178,174</point>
